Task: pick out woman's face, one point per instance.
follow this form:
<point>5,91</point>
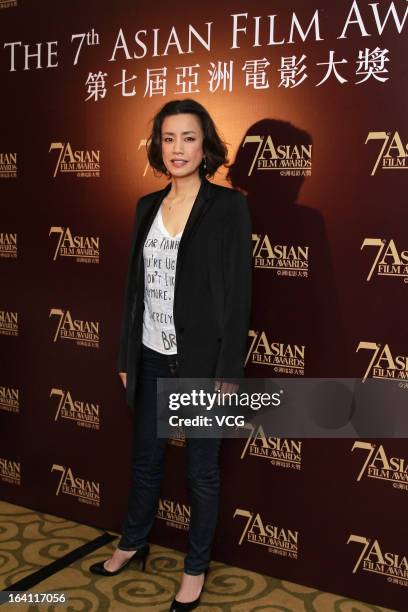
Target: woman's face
<point>182,144</point>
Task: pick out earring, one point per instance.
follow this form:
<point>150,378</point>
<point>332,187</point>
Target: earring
<point>205,162</point>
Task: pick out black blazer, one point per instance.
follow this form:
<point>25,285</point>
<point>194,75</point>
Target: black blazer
<point>212,292</point>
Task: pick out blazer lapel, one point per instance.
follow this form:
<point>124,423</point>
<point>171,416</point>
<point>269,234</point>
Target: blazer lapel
<point>145,226</point>
<point>200,207</point>
<point>151,213</point>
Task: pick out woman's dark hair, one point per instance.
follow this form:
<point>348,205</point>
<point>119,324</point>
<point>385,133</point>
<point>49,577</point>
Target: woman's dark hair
<point>215,150</point>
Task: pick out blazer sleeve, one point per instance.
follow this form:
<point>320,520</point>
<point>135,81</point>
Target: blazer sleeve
<point>237,272</point>
<point>127,304</point>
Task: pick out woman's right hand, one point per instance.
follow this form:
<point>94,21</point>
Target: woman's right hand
<point>123,378</point>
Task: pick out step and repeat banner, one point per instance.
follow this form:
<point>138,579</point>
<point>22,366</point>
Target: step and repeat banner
<point>311,99</point>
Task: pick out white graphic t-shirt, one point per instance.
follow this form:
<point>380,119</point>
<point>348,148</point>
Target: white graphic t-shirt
<point>160,258</point>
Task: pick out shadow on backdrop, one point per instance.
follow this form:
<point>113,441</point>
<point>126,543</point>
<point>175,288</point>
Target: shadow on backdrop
<point>294,295</point>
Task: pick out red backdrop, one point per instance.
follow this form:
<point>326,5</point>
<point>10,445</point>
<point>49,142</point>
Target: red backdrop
<point>311,100</point>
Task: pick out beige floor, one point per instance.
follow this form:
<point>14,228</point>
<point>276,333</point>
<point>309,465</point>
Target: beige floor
<point>31,540</point>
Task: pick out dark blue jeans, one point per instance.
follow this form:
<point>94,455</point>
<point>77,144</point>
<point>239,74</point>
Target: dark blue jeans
<point>148,454</point>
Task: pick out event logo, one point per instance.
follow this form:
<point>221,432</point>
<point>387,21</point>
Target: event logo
<point>285,260</point>
<point>178,437</point>
<point>9,399</point>
<point>86,491</point>
<point>142,145</point>
<point>383,364</point>
<point>83,163</point>
<point>285,358</point>
<point>392,154</point>
<point>174,514</point>
<point>8,161</point>
<point>10,471</point>
<point>289,159</point>
<point>85,414</point>
<point>392,566</point>
<point>282,452</point>
<point>85,249</point>
<point>8,244</point>
<point>379,465</point>
<point>84,333</point>
<point>279,540</point>
<point>388,260</point>
<point>8,323</point>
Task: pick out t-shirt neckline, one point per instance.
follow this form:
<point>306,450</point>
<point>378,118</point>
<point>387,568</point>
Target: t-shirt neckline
<point>163,227</point>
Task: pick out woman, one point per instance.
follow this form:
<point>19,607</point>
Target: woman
<point>186,314</point>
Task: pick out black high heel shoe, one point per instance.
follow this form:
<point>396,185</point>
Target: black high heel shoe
<point>178,606</point>
<point>140,555</point>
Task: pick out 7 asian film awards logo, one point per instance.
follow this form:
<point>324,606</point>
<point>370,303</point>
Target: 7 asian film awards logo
<point>284,358</point>
<point>85,249</point>
<point>9,399</point>
<point>383,364</point>
<point>8,245</point>
<point>8,323</point>
<point>178,437</point>
<point>10,471</point>
<point>287,159</point>
<point>83,333</point>
<point>8,161</point>
<point>375,559</point>
<point>86,491</point>
<point>282,259</point>
<point>84,414</point>
<point>380,465</point>
<point>280,452</point>
<point>388,259</point>
<point>175,514</point>
<point>81,162</point>
<point>392,152</point>
<point>278,540</point>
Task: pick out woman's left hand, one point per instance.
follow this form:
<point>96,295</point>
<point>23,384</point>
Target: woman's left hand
<point>225,387</point>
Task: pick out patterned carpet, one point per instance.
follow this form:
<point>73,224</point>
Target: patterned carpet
<point>31,540</point>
